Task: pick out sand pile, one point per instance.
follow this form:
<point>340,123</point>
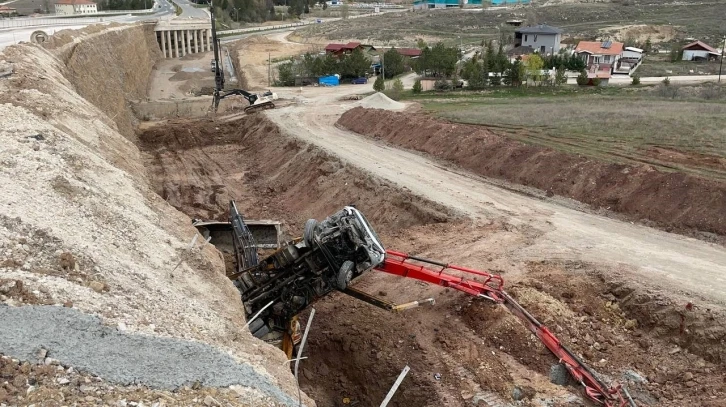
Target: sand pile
<point>379,100</point>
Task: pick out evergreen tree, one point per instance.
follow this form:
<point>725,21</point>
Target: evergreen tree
<point>379,85</point>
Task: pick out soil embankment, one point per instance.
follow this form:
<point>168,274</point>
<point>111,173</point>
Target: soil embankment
<point>80,227</point>
<point>109,68</point>
<point>198,166</point>
<point>673,201</point>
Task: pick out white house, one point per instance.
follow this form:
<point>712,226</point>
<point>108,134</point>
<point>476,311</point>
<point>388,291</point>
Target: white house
<point>698,50</point>
<point>542,38</point>
<point>72,7</point>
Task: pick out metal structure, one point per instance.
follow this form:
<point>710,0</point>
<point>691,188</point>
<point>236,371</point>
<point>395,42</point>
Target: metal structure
<point>245,249</point>
<point>257,101</point>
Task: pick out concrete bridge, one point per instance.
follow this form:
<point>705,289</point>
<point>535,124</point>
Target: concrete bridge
<point>178,37</point>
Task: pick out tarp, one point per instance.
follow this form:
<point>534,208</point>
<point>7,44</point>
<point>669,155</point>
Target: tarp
<point>329,81</point>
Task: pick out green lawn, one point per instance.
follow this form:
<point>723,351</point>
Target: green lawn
<point>612,125</point>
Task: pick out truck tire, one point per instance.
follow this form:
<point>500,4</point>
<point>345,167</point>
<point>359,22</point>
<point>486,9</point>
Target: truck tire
<point>309,234</point>
<point>345,274</point>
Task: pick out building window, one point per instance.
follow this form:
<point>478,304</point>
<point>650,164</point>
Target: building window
<point>535,38</point>
<point>607,59</point>
<point>526,37</point>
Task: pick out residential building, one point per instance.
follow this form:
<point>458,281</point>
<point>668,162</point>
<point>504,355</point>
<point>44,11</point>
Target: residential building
<point>340,49</point>
<point>599,56</point>
<point>699,51</point>
<point>409,52</point>
<point>507,2</point>
<point>542,38</point>
<point>6,11</point>
<point>73,7</point>
<point>426,4</point>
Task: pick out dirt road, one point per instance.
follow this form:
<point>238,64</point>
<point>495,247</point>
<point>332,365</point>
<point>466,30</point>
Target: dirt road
<point>555,229</point>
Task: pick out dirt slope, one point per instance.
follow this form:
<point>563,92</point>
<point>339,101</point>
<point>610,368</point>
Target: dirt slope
<point>80,226</point>
<point>109,67</point>
<point>198,166</point>
<point>674,201</point>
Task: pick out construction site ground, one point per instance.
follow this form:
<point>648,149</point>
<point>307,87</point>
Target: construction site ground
<point>641,306</point>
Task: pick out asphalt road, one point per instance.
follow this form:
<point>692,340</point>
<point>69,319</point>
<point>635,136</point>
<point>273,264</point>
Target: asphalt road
<point>189,11</point>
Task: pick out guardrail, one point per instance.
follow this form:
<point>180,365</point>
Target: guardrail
<point>99,17</point>
<point>281,26</point>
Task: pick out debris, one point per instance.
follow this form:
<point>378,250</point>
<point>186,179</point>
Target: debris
<point>437,376</point>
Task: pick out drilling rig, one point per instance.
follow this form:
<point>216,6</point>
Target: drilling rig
<point>257,101</point>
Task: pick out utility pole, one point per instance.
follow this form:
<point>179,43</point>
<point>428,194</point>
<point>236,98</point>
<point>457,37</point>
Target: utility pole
<point>720,66</point>
<point>269,70</point>
<point>383,68</point>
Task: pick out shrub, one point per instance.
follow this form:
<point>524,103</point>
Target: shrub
<point>417,88</point>
<point>666,81</point>
<point>711,93</point>
<point>636,80</point>
<point>395,91</point>
<point>596,81</point>
<point>582,78</point>
<point>443,85</point>
<point>379,85</point>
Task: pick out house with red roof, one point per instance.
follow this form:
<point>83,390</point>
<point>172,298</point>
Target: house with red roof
<point>600,57</point>
<point>699,51</point>
<point>74,7</point>
<point>341,49</point>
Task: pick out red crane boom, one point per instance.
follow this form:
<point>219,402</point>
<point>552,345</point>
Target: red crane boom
<point>490,286</point>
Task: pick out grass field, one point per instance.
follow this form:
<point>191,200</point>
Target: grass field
<point>686,135</point>
<point>660,65</point>
<point>703,20</point>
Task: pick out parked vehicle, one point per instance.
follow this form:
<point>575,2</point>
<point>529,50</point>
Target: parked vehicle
<point>359,81</point>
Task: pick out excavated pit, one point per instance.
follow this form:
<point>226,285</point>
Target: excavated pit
<point>462,351</point>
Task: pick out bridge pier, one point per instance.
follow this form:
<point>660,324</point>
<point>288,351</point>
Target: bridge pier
<point>177,37</point>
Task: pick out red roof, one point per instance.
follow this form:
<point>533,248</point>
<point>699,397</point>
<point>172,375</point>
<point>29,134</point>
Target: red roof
<point>74,2</point>
<point>334,47</point>
<point>595,48</point>
<point>409,52</point>
<point>700,45</point>
<point>342,47</point>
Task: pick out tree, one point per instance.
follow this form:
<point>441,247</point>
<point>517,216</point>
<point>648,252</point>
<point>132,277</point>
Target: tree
<point>393,63</point>
<point>417,88</point>
<point>306,10</point>
<point>379,85</point>
<point>396,90</point>
<point>285,74</point>
<point>354,65</point>
<point>582,78</point>
<point>560,76</point>
<point>534,67</point>
<point>420,43</point>
<point>478,77</point>
<point>515,74</point>
<point>636,79</point>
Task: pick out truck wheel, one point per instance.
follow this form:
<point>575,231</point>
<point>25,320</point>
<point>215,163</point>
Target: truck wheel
<point>345,274</point>
<point>309,234</point>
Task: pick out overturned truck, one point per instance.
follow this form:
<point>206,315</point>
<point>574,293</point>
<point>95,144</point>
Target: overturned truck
<point>333,252</point>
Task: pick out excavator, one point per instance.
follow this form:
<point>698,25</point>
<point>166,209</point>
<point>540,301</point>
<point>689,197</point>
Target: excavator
<point>333,253</point>
<point>257,101</point>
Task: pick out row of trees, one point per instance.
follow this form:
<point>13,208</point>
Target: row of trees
<point>353,65</point>
<point>494,69</point>
<point>255,11</point>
